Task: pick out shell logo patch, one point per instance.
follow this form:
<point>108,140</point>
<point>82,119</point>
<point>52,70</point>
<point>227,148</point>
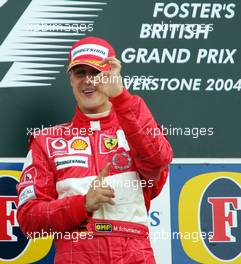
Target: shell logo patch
<point>79,144</point>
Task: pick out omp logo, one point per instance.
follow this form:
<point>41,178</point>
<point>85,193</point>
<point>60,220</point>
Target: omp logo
<point>14,245</point>
<point>103,227</point>
<point>37,45</point>
<point>214,211</point>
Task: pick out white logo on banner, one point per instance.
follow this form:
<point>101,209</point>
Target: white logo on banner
<point>3,2</point>
<point>37,54</point>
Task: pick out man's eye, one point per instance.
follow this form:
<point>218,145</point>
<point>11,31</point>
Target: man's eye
<point>95,72</point>
<point>80,73</point>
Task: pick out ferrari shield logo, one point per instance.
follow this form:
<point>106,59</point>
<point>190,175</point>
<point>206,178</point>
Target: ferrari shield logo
<point>110,143</point>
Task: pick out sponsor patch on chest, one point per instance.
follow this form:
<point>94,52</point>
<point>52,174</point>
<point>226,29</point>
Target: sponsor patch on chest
<point>108,143</point>
<point>71,161</point>
<point>61,146</point>
<point>103,227</point>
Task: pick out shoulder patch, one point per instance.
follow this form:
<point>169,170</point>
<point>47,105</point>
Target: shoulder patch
<point>26,195</point>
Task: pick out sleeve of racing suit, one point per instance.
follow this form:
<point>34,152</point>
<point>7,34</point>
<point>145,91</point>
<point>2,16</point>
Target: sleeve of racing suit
<point>38,208</point>
<point>151,152</point>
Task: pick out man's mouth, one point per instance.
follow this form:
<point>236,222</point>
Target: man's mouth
<point>88,91</point>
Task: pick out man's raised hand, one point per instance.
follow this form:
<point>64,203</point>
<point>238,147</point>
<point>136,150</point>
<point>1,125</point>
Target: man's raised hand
<point>99,193</point>
<point>110,82</point>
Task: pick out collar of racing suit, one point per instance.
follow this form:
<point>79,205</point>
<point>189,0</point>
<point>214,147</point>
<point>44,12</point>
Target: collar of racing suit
<point>99,114</point>
<point>81,120</point>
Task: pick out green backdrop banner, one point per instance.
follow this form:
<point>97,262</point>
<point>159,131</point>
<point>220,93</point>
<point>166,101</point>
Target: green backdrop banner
<point>182,57</point>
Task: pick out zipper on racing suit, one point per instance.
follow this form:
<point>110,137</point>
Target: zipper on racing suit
<point>95,152</point>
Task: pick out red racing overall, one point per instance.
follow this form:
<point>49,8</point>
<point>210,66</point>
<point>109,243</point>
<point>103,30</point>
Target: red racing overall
<point>61,166</point>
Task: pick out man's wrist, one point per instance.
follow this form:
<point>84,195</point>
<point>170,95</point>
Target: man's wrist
<point>120,91</point>
<point>124,95</point>
<point>87,209</point>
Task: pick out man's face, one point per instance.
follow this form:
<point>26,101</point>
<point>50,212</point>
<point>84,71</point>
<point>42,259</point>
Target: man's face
<point>88,98</point>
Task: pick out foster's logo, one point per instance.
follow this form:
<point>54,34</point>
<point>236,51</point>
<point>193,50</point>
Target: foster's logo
<point>210,205</point>
<point>220,213</point>
<point>12,240</point>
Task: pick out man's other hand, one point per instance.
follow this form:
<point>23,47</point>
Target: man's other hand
<point>99,192</point>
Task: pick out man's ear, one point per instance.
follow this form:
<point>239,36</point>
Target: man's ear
<point>71,77</point>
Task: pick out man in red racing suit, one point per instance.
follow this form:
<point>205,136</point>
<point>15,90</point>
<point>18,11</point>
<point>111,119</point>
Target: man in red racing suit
<point>97,174</point>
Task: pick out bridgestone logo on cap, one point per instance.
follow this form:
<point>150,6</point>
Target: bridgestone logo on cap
<point>90,49</point>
